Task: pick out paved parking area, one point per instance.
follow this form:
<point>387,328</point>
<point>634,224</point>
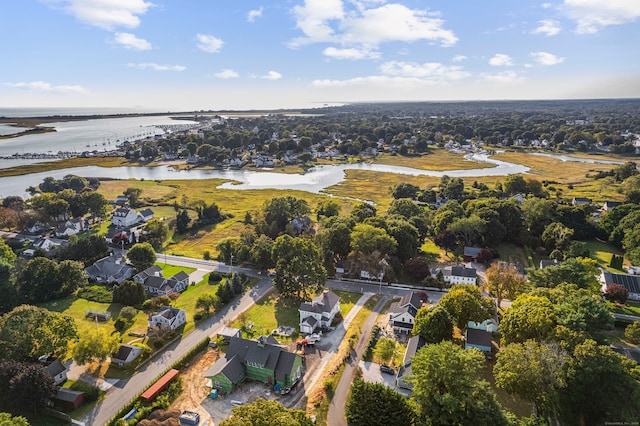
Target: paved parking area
<point>371,373</point>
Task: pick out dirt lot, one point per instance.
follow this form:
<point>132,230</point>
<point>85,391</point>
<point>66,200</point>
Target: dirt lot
<point>195,396</point>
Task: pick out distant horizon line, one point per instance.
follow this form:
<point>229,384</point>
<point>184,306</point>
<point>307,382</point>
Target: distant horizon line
<point>334,104</point>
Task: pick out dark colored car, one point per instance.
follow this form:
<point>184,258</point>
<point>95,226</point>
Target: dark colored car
<point>386,369</point>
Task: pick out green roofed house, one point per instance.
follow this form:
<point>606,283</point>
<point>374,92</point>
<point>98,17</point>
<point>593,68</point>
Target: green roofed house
<point>255,360</point>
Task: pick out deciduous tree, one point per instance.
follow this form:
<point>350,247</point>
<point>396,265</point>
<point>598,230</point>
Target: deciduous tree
<point>141,256</point>
<point>95,345</point>
<point>433,324</point>
<point>465,303</point>
<point>503,280</point>
<point>448,389</point>
<point>299,270</point>
<point>25,387</point>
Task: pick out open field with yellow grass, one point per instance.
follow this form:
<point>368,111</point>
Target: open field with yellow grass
<point>63,164</point>
<point>437,159</point>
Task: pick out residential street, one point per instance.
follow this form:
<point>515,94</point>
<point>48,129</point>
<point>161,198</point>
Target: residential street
<point>336,415</point>
<point>125,390</point>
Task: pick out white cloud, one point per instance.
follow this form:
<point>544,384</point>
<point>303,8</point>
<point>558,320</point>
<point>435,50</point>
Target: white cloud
<point>501,60</point>
<point>41,86</point>
<point>350,53</point>
<point>459,58</point>
<point>156,67</point>
<point>548,27</point>
<point>368,25</point>
<point>130,41</point>
<point>209,43</point>
<point>272,75</point>
<point>106,14</point>
<point>226,74</point>
<point>545,58</point>
<point>428,70</point>
<point>592,15</point>
<point>504,77</point>
<point>253,14</point>
<point>404,75</point>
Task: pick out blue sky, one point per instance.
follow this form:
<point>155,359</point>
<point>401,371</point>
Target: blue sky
<point>230,54</point>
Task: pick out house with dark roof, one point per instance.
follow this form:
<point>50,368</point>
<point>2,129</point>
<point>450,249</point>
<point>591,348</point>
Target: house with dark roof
<point>55,368</point>
<point>124,216</point>
<point>125,355</point>
<point>145,215</point>
<point>478,339</point>
<point>157,285</point>
<point>630,282</point>
<point>168,317</point>
<point>255,360</point>
<point>402,314</point>
<point>151,271</point>
<point>608,205</point>
<point>110,269</point>
<point>71,227</point>
<point>413,346</point>
<point>457,274</point>
<point>319,313</point>
<point>580,201</point>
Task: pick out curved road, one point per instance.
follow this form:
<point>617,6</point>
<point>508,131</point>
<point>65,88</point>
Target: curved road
<point>125,390</point>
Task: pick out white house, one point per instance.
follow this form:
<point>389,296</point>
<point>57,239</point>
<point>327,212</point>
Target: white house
<point>70,227</point>
<point>126,354</point>
<point>124,216</point>
<point>55,368</point>
<point>168,317</point>
<point>630,282</point>
<point>145,215</point>
<point>320,312</point>
<point>402,314</point>
<point>459,275</point>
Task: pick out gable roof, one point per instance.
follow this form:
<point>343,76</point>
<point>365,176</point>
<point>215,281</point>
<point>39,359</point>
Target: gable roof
<point>180,276</point>
<point>242,351</point>
<point>149,272</point>
<point>463,271</point>
<point>123,352</point>
<point>413,345</point>
<point>122,212</point>
<point>146,212</point>
<point>108,267</point>
<point>323,303</point>
<point>478,337</point>
<point>55,368</point>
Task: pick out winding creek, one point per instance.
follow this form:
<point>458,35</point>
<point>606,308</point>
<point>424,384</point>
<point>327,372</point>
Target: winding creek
<point>315,180</point>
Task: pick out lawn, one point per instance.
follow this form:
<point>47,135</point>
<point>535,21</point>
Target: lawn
<point>267,314</point>
<point>348,300</point>
<point>512,253</point>
<point>272,311</point>
<point>170,270</point>
<point>602,252</point>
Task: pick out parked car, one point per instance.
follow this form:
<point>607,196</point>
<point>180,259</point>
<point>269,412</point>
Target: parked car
<point>386,369</point>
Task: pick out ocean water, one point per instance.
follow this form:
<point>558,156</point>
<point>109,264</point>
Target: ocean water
<point>88,135</point>
<point>49,112</point>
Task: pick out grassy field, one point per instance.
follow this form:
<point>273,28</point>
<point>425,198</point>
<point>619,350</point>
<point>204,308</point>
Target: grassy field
<point>437,159</point>
<point>267,315</point>
<point>274,310</point>
<point>170,270</point>
<point>62,164</point>
<point>602,252</point>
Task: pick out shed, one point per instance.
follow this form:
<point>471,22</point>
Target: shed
<point>68,399</point>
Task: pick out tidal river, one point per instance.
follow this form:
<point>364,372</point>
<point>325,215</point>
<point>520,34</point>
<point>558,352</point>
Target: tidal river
<point>314,180</point>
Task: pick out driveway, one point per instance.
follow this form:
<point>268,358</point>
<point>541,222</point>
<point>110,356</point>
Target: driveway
<point>371,373</point>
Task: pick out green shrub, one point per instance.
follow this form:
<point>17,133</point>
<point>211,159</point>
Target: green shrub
<point>632,332</point>
<point>215,277</point>
<point>91,393</point>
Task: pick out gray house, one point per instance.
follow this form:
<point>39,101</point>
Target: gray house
<point>110,269</point>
